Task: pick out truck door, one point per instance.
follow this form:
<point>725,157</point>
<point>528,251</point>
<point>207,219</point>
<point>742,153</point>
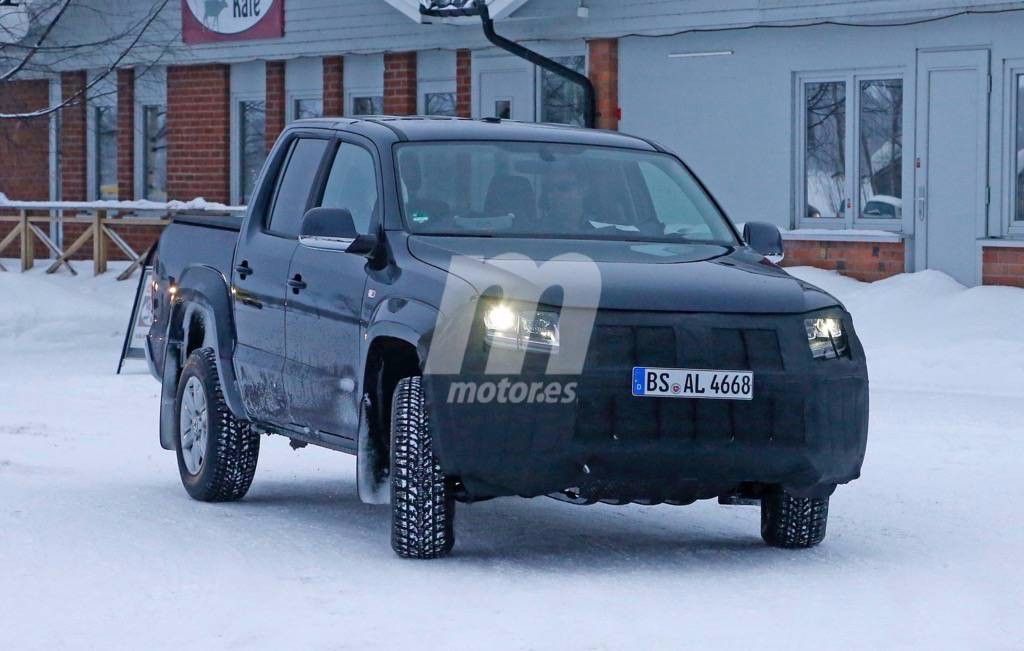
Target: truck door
<point>325,302</point>
<point>265,249</point>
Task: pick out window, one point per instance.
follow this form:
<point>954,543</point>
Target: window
<point>368,105</point>
<point>554,190</point>
<point>439,104</point>
<point>880,147</point>
<point>294,185</point>
<point>352,185</point>
<point>561,99</point>
<point>308,108</point>
<point>252,121</point>
<point>106,152</point>
<point>1019,153</point>
<point>825,149</point>
<point>154,163</point>
<point>503,109</point>
<point>852,163</point>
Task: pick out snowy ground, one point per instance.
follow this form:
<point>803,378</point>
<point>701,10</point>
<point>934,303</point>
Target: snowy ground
<point>101,548</point>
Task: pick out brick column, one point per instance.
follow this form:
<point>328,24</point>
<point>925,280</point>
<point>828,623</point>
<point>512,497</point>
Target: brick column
<point>24,151</point>
<point>25,144</point>
<point>198,132</point>
<point>604,73</point>
<point>334,86</point>
<point>464,83</point>
<point>275,101</point>
<point>72,137</point>
<point>126,133</point>
<point>400,83</point>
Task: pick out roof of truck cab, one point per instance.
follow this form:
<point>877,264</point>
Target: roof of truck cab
<point>434,128</point>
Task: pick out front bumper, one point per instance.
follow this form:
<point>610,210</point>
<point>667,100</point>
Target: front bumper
<point>805,430</point>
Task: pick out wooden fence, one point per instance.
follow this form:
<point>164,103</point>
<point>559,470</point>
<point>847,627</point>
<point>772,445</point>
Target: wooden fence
<point>100,229</point>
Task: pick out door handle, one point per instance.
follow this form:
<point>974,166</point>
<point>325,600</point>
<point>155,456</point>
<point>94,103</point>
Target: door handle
<point>297,284</point>
<point>244,269</point>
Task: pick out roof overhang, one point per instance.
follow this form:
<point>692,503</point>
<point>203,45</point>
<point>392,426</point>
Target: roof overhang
<point>498,8</point>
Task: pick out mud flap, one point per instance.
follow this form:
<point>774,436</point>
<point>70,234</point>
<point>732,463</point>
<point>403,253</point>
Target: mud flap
<point>371,470</point>
<point>169,394</point>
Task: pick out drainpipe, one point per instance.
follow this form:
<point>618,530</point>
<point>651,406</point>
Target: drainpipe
<point>480,9</point>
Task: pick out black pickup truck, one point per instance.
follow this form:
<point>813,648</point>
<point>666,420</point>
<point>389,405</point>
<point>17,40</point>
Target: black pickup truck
<point>484,308</point>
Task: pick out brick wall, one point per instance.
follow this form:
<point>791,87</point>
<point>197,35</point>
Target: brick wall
<point>464,83</point>
<point>604,74</point>
<point>24,150</point>
<point>275,101</point>
<point>334,86</point>
<point>25,144</point>
<point>1003,266</point>
<point>126,134</point>
<point>198,132</point>
<point>400,83</point>
<point>867,261</point>
<point>72,137</point>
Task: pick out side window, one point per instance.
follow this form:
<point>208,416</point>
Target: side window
<point>294,185</point>
<point>352,185</point>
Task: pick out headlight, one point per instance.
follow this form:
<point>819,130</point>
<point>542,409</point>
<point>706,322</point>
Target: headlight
<point>826,337</point>
<point>518,327</point>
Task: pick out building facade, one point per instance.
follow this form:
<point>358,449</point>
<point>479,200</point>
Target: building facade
<point>884,136</point>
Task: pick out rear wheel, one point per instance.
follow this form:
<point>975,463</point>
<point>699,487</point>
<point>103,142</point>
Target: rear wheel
<point>793,522</point>
<point>217,452</point>
<point>422,501</point>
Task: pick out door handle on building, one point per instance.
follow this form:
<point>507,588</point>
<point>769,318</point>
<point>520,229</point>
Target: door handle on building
<point>922,203</point>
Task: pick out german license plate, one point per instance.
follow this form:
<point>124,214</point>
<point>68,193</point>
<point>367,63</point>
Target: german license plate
<point>692,383</point>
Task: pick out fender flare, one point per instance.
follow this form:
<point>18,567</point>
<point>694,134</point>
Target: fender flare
<point>203,291</point>
<point>415,320</point>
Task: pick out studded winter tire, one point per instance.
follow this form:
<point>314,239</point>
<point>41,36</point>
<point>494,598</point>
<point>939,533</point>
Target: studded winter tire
<point>422,503</point>
<point>793,522</point>
<point>217,452</point>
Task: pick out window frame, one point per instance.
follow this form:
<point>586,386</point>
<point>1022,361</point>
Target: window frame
<point>341,139</point>
<point>352,94</point>
<point>433,87</point>
<point>144,137</point>
<point>282,158</point>
<point>1013,68</point>
<point>852,218</point>
<point>97,150</point>
<point>292,108</point>
<point>538,90</point>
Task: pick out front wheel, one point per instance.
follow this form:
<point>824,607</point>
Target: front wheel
<point>217,452</point>
<point>793,522</point>
<point>422,502</point>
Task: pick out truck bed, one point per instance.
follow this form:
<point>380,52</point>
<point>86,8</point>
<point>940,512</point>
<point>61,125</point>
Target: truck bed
<point>197,240</point>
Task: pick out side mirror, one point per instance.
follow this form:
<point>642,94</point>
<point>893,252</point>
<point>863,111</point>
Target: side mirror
<point>766,239</point>
<point>332,229</point>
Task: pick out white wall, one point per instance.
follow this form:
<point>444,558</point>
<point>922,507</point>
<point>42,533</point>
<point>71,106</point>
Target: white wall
<point>732,117</point>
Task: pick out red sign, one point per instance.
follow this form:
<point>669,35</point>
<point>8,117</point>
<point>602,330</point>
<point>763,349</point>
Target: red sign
<point>214,21</point>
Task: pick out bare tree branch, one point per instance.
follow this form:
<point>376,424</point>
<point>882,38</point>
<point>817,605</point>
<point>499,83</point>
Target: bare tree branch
<point>32,50</point>
<point>146,23</point>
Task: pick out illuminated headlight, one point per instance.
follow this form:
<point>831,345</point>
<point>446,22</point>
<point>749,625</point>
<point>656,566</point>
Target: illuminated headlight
<point>518,327</point>
<point>826,337</point>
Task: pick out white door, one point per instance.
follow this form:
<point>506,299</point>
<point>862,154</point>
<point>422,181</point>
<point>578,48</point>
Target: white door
<point>507,94</point>
<point>952,160</point>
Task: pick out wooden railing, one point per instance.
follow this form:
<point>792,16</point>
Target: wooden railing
<point>100,224</point>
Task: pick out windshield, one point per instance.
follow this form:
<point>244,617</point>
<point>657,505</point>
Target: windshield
<point>534,189</point>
